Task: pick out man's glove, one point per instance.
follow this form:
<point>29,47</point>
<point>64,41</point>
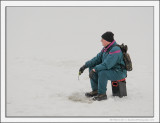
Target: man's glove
<point>82,69</point>
<point>91,74</point>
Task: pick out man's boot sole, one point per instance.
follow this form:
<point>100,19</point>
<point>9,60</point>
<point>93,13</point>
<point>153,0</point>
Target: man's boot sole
<point>89,96</point>
<point>99,99</point>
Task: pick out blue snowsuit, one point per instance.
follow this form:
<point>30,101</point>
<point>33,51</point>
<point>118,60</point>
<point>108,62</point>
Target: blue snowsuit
<point>108,66</point>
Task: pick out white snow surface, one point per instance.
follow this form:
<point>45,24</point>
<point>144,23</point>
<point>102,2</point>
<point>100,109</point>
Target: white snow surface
<point>45,51</point>
<point>43,87</point>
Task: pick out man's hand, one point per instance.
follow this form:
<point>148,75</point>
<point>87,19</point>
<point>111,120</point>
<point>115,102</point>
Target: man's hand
<point>94,70</point>
<point>82,69</point>
<point>91,74</point>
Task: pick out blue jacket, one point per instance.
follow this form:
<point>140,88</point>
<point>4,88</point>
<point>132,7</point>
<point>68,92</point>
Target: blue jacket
<point>110,58</point>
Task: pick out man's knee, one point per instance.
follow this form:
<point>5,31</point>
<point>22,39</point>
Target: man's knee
<point>102,72</point>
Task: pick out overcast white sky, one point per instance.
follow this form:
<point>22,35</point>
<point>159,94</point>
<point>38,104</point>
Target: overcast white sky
<point>75,31</point>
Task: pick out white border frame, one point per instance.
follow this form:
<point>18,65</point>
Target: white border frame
<point>83,3</point>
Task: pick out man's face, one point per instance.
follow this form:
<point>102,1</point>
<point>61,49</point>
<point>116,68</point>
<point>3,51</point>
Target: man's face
<point>104,42</point>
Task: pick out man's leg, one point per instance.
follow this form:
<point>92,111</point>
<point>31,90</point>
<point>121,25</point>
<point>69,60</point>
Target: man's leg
<point>102,82</point>
<point>104,76</point>
<point>102,86</point>
<point>94,81</point>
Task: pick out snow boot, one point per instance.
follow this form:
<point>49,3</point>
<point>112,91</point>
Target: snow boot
<point>100,97</point>
<point>91,94</point>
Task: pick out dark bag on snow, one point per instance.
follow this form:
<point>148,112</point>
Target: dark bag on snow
<point>126,57</point>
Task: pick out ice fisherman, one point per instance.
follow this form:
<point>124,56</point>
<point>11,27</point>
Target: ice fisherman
<point>107,65</point>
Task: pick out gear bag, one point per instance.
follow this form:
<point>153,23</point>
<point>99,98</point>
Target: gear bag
<point>126,57</point>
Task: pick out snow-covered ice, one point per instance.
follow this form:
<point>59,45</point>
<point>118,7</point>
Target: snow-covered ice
<point>39,87</point>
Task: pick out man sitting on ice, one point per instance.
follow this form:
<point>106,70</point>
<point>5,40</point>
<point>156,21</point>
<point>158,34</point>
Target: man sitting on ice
<point>107,65</point>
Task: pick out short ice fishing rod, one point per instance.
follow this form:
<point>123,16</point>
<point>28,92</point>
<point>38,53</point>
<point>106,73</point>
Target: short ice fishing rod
<point>79,74</point>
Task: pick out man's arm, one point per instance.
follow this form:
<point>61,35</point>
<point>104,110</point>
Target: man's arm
<point>94,61</point>
<point>111,60</point>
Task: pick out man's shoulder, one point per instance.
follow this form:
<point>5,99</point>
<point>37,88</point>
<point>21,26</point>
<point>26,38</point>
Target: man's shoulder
<point>115,48</point>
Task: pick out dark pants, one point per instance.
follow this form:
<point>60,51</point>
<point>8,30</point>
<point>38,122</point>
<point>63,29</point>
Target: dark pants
<point>100,79</point>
